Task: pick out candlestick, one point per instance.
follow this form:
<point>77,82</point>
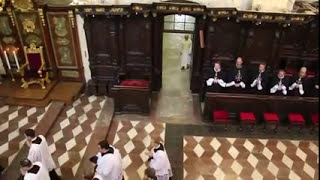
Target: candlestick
<point>9,67</point>
<point>7,60</point>
<point>16,59</point>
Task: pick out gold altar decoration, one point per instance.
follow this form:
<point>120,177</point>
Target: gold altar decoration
<point>2,4</point>
<point>71,18</point>
<point>23,5</point>
<point>11,16</point>
<point>28,25</point>
<point>40,11</point>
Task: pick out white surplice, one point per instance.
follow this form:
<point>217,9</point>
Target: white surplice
<point>109,166</point>
<point>185,50</point>
<point>161,164</point>
<point>40,152</point>
<point>42,174</point>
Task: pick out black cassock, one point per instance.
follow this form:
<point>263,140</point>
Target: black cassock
<point>237,75</point>
<point>304,81</point>
<point>216,87</point>
<point>264,81</point>
<point>276,81</point>
<point>313,92</point>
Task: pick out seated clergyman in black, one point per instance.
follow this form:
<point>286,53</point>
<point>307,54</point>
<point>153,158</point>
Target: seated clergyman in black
<point>259,80</point>
<point>279,84</point>
<point>300,83</point>
<point>216,80</point>
<point>237,77</point>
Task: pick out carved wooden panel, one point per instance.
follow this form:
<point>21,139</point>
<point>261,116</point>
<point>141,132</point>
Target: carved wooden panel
<point>138,43</point>
<point>138,40</point>
<point>258,44</point>
<point>101,35</point>
<point>222,42</point>
<point>30,28</point>
<point>223,38</point>
<point>64,40</point>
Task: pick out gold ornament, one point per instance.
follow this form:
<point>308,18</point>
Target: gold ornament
<point>28,25</point>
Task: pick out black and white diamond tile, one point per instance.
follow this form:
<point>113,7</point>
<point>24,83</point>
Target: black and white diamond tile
<point>133,139</point>
<point>13,121</point>
<point>236,158</point>
<point>71,133</point>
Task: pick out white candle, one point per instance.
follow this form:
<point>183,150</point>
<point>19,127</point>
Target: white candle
<point>16,59</point>
<point>7,60</point>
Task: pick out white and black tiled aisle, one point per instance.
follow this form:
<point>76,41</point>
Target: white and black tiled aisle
<point>133,139</point>
<point>71,133</point>
<point>13,121</point>
<point>234,158</point>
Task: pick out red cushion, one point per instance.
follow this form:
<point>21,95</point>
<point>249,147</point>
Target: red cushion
<point>137,83</point>
<point>290,72</point>
<point>247,116</point>
<point>34,60</point>
<point>315,118</point>
<point>296,118</point>
<point>271,117</point>
<point>220,115</point>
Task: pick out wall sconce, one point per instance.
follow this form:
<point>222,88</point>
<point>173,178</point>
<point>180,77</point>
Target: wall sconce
<point>237,20</point>
<point>228,18</point>
<point>258,23</point>
<point>145,14</point>
<point>128,15</point>
<point>214,19</point>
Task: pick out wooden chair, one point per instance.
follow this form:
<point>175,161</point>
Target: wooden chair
<point>34,70</point>
<point>296,119</point>
<point>221,117</point>
<point>271,119</point>
<point>247,118</point>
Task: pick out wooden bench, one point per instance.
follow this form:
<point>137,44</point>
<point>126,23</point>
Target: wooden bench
<point>131,99</point>
<point>259,104</point>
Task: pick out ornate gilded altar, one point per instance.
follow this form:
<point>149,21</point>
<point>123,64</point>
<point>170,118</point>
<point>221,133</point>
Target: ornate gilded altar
<point>34,70</point>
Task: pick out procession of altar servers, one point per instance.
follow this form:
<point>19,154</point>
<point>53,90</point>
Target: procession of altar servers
<point>39,165</point>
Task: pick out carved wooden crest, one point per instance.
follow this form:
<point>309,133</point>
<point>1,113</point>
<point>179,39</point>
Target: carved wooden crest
<point>22,5</point>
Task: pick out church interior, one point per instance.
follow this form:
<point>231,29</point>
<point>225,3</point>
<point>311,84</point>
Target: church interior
<point>229,86</point>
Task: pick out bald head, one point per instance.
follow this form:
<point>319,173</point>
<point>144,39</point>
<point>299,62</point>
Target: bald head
<point>239,62</point>
<point>281,73</point>
<point>303,71</point>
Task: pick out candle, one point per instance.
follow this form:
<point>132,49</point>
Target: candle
<point>7,60</point>
<point>16,59</point>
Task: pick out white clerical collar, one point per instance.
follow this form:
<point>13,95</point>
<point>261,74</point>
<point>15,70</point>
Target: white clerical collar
<point>34,138</point>
<point>261,71</point>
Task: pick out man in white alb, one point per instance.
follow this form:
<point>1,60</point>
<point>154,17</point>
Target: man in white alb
<point>185,52</point>
<point>33,171</point>
<point>39,151</point>
<point>109,162</point>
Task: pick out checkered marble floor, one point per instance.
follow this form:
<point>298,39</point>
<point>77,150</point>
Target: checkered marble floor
<point>71,133</point>
<point>133,138</point>
<point>13,121</point>
<point>235,158</point>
